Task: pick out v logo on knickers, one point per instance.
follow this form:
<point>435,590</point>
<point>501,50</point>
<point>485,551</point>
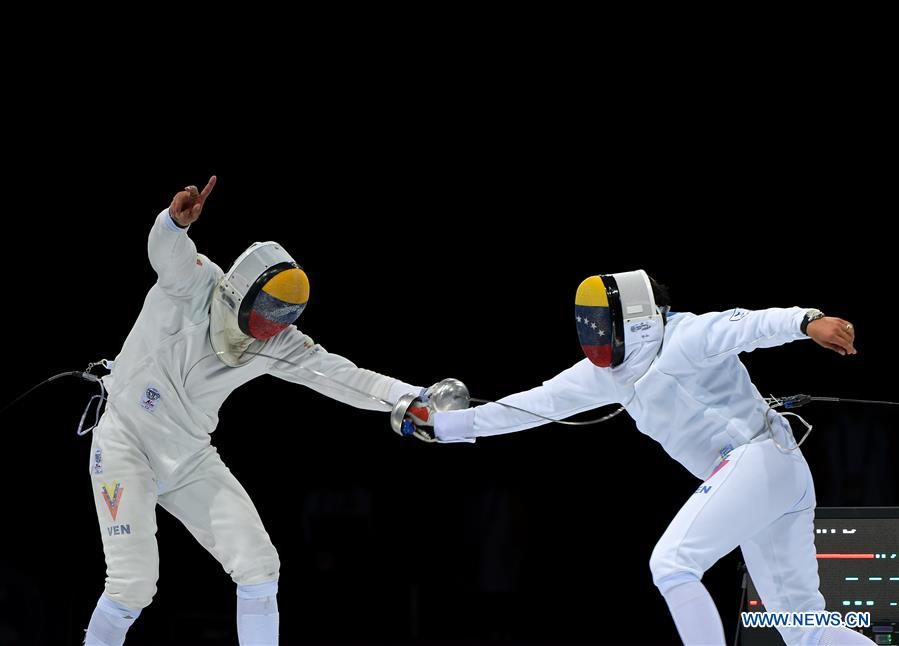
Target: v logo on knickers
<point>112,499</point>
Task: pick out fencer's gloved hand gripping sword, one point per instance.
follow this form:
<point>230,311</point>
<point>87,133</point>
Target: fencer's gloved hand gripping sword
<point>413,415</point>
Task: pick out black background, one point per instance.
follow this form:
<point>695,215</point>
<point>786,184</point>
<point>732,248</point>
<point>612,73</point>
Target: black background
<point>445,213</point>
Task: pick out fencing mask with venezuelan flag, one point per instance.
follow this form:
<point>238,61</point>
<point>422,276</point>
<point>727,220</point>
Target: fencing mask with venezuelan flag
<point>617,316</point>
<point>263,292</point>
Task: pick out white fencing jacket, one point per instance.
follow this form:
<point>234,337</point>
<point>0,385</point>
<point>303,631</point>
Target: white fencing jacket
<point>695,399</point>
<point>167,384</point>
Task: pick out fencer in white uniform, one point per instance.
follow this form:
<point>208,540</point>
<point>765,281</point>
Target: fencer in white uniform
<point>200,335</point>
<point>680,379</point>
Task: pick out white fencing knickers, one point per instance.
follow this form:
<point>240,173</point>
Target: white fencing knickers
<point>762,500</point>
<point>205,497</point>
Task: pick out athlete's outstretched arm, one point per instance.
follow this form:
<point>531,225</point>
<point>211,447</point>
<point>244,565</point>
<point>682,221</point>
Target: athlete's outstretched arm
<point>580,388</point>
<point>302,361</point>
<point>714,336</point>
<point>172,253</point>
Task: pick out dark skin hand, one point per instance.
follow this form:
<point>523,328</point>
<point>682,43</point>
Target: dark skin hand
<point>187,204</point>
<point>834,334</point>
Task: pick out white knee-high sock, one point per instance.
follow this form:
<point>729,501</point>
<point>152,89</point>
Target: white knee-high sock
<point>695,615</point>
<point>109,623</point>
<point>257,614</point>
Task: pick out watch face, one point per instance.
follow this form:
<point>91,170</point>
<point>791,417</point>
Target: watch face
<point>810,315</point>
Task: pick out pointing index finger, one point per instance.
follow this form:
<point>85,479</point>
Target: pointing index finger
<point>208,188</point>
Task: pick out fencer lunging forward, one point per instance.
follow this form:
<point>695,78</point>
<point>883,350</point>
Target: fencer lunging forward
<point>680,379</point>
<point>200,335</point>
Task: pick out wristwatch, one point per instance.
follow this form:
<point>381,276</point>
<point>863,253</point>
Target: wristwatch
<point>811,315</point>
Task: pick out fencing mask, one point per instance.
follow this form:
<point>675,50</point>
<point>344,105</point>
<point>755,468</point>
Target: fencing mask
<point>263,292</point>
<point>618,320</point>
